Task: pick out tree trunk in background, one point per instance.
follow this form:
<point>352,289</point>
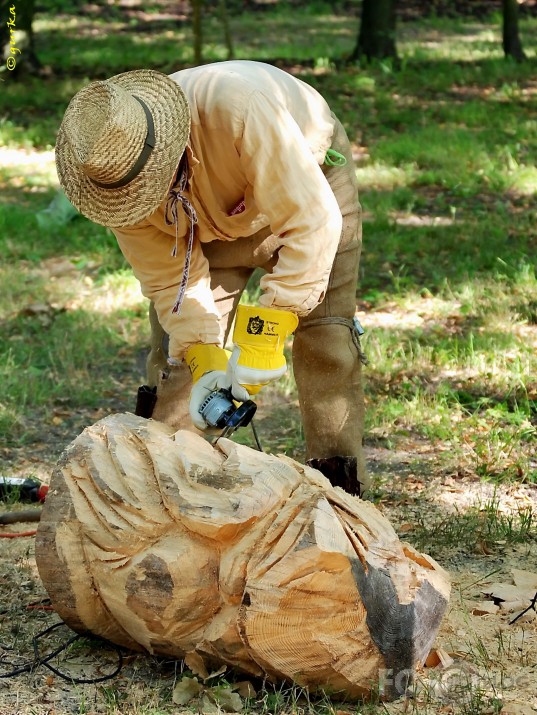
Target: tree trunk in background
<point>376,38</point>
<point>17,46</point>
<point>197,30</point>
<point>512,46</point>
<point>227,31</point>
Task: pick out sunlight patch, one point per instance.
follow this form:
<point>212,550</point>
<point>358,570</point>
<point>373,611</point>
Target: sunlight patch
<point>524,181</point>
<point>21,167</point>
<point>383,176</point>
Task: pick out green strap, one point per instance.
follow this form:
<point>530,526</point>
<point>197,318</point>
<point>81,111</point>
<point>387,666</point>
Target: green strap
<point>334,158</point>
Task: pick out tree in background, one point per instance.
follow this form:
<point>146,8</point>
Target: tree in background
<point>197,29</point>
<point>376,37</point>
<point>512,46</point>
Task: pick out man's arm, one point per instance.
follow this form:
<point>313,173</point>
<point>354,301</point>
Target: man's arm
<point>148,250</point>
<point>291,190</point>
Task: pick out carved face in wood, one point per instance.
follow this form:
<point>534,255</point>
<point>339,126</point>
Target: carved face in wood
<point>161,541</point>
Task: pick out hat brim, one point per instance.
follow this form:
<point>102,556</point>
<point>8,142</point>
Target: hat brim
<point>132,203</point>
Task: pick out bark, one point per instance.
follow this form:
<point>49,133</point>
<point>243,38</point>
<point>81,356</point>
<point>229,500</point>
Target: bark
<point>511,43</point>
<point>377,33</point>
<point>197,30</point>
<point>159,541</point>
<point>228,39</point>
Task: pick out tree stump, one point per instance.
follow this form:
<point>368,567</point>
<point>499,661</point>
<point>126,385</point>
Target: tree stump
<point>160,541</point>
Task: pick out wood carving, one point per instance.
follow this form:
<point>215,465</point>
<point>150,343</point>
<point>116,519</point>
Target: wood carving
<point>160,541</point>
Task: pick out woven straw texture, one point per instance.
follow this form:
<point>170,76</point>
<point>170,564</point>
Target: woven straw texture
<point>102,135</point>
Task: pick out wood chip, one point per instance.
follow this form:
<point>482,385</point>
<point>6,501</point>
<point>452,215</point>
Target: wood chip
<point>438,658</point>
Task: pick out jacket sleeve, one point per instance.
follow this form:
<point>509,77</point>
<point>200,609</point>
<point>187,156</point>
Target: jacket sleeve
<point>149,252</point>
<point>291,190</point>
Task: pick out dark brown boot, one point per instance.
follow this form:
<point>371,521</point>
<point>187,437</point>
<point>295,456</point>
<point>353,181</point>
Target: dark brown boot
<point>340,472</point>
<point>146,398</point>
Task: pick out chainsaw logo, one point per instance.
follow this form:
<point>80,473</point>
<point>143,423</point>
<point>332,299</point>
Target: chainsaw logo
<point>255,325</point>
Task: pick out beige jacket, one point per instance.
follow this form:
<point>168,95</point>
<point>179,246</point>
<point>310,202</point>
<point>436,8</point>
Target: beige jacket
<point>257,141</point>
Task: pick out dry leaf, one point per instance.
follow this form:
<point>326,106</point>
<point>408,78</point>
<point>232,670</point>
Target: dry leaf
<point>525,579</point>
<point>485,608</point>
<point>508,592</point>
<point>208,706</point>
<point>229,701</point>
<point>517,709</point>
<point>185,690</point>
<point>245,689</point>
<point>404,528</point>
<point>511,606</point>
<point>196,664</point>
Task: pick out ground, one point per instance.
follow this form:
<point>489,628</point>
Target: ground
<point>488,664</point>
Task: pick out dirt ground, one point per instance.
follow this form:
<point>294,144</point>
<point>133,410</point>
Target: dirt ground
<point>484,663</point>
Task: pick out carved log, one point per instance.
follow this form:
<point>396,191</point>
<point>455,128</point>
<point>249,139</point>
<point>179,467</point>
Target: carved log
<point>164,542</point>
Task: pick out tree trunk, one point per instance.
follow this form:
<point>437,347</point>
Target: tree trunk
<point>228,39</point>
<point>197,31</point>
<point>512,46</point>
<point>164,543</point>
<point>376,37</point>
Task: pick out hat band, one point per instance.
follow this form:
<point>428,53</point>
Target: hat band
<point>149,145</point>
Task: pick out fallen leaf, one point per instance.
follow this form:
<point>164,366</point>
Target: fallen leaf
<point>525,579</point>
<point>245,689</point>
<point>229,701</point>
<point>508,592</point>
<point>511,606</point>
<point>485,608</point>
<point>208,706</point>
<point>196,664</point>
<point>185,690</point>
<point>517,709</point>
<point>404,528</point>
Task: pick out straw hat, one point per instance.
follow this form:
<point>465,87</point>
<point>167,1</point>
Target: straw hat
<point>119,146</point>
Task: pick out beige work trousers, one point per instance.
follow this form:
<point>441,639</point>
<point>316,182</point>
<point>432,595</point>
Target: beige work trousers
<point>326,355</point>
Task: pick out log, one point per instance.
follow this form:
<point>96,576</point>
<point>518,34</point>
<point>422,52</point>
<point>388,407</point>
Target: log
<point>162,542</point>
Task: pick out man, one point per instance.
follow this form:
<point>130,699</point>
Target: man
<point>204,176</point>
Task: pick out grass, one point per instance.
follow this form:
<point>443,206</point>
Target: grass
<point>445,151</point>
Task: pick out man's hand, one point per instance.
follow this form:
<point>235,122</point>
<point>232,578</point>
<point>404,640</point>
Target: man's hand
<point>257,358</point>
<point>207,365</point>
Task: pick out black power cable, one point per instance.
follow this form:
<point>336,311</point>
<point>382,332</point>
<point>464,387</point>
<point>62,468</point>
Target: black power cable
<point>45,659</point>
